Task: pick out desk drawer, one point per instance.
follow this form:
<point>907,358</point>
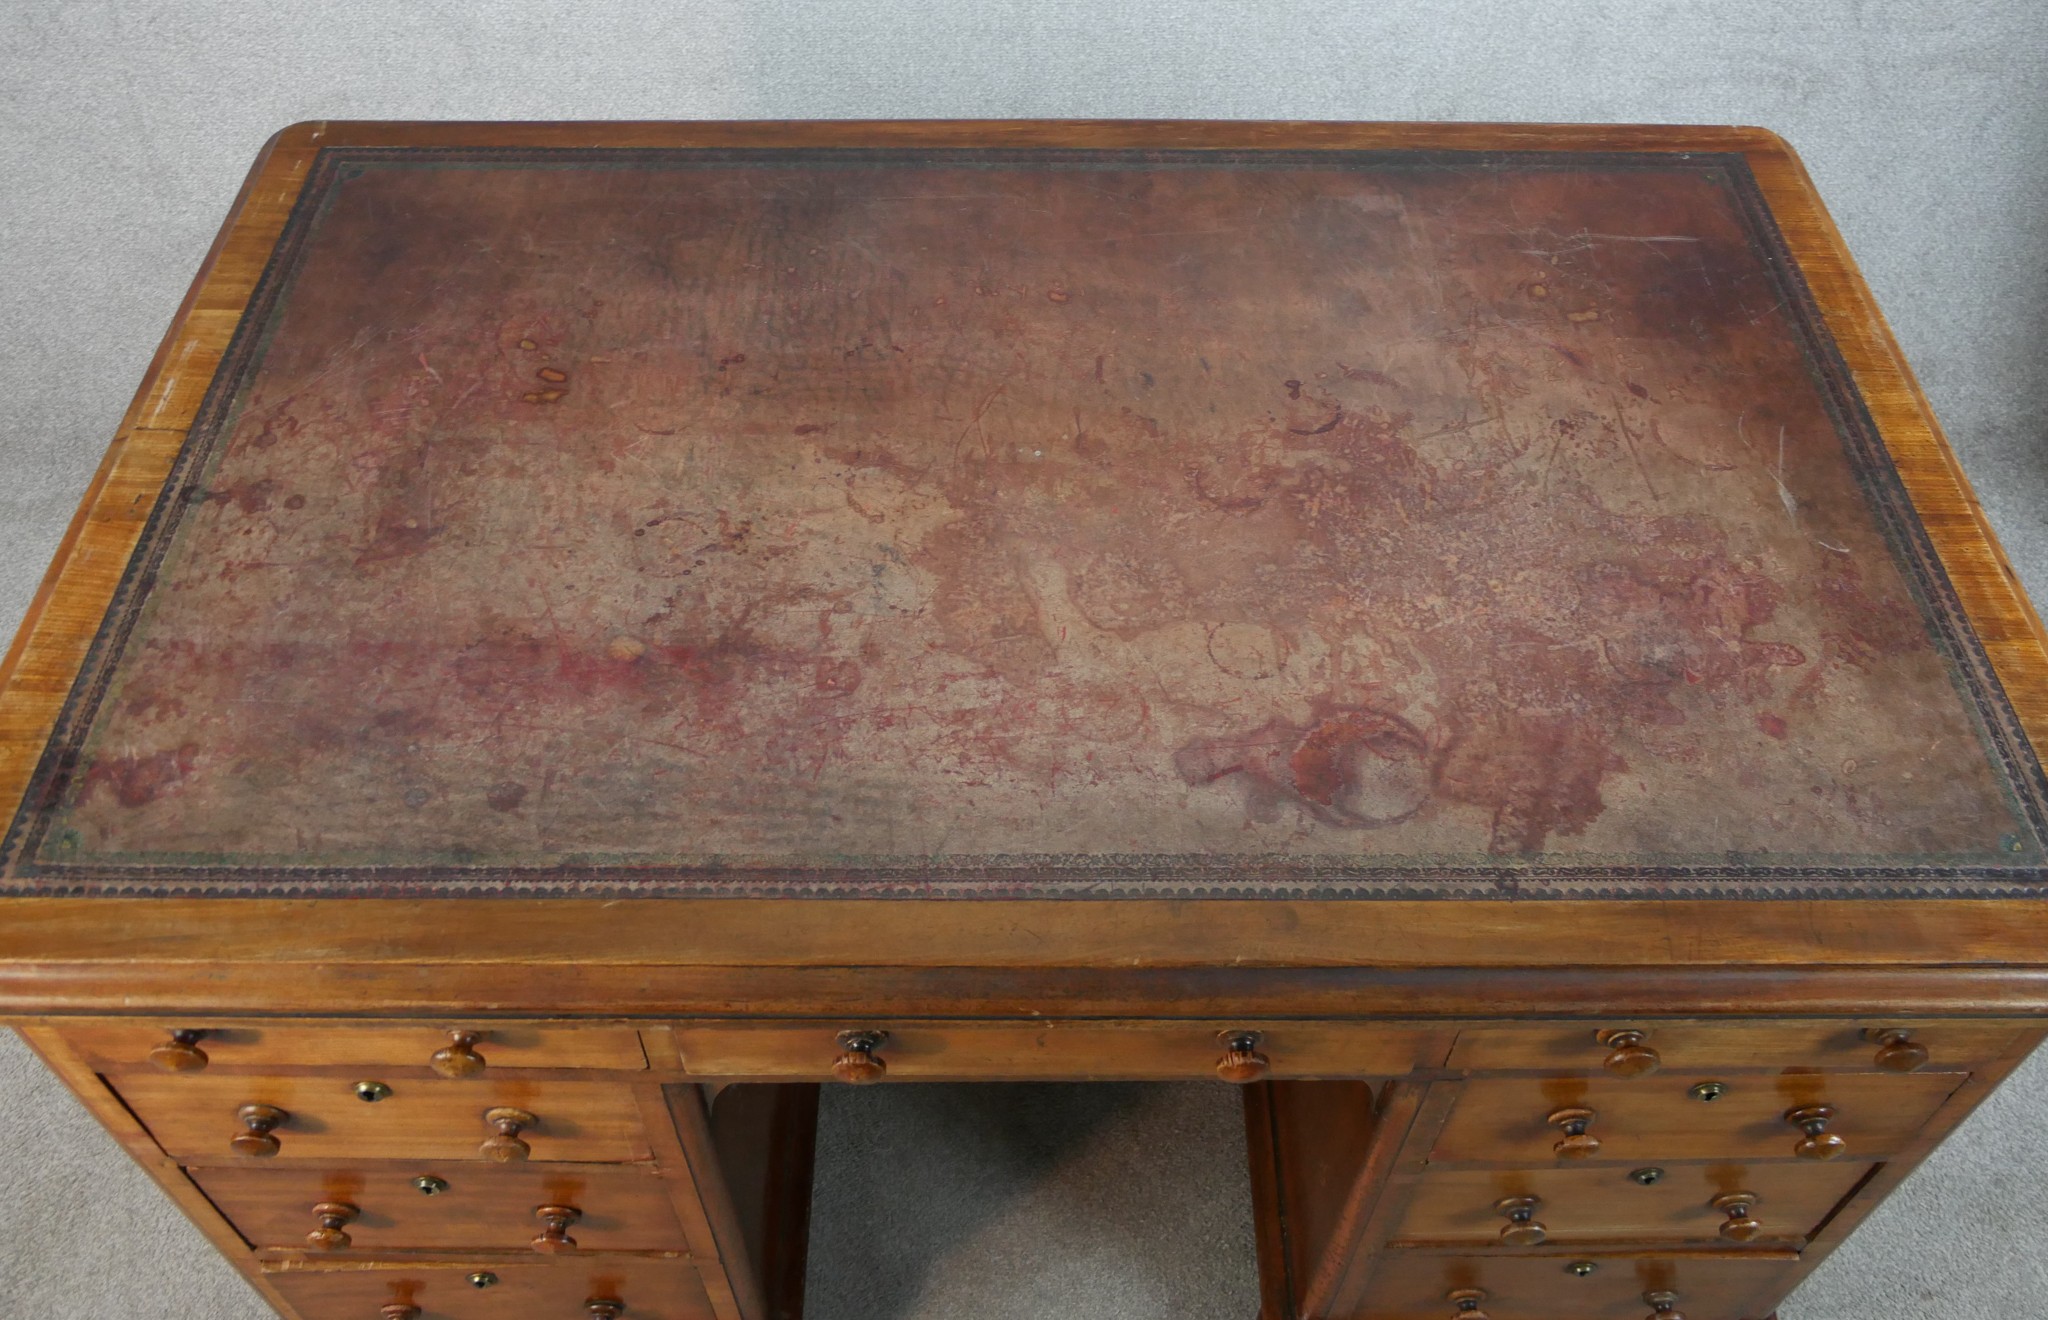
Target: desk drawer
<point>1784,1203</point>
<point>451,1049</point>
<point>456,1207</point>
<point>1651,1119</point>
<point>196,1117</point>
<point>1414,1286</point>
<point>1881,1044</point>
<point>1078,1051</point>
<point>556,1290</point>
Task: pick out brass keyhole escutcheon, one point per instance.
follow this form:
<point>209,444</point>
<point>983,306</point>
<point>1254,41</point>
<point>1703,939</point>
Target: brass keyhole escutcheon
<point>1580,1269</point>
<point>371,1092</point>
<point>1648,1177</point>
<point>482,1279</point>
<point>428,1185</point>
<point>1708,1092</point>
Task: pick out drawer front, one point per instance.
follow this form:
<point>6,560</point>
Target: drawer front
<point>558,1290</point>
<point>1417,1287</point>
<point>1619,1204</point>
<point>1649,1119</point>
<point>1950,1046</point>
<point>1123,1051</point>
<point>131,1045</point>
<point>194,1117</point>
<point>462,1207</point>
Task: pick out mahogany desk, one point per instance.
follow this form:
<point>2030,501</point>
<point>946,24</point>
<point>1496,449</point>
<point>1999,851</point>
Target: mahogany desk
<point>588,631</point>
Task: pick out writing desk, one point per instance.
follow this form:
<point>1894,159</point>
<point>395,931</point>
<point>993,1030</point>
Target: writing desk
<point>589,631</point>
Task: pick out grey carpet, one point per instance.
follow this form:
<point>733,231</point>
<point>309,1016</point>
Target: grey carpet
<point>124,130</point>
<point>1017,1202</point>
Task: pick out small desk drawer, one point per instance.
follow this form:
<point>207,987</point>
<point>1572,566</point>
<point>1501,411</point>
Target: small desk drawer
<point>1882,1044</point>
<point>198,1117</point>
<point>1413,1286</point>
<point>1784,1203</point>
<point>452,1049</point>
<point>456,1207</point>
<point>1076,1051</point>
<point>557,1290</point>
<point>1649,1119</point>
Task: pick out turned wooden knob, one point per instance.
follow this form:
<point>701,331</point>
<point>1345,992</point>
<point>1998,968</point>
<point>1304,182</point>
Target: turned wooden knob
<point>1896,1051</point>
<point>1663,1305</point>
<point>504,1145</point>
<point>1467,1301</point>
<point>181,1053</point>
<point>254,1140</point>
<point>1740,1207</point>
<point>332,1217</point>
<point>611,1308</point>
<point>459,1057</point>
<point>1241,1062</point>
<point>1577,1143</point>
<point>857,1062</point>
<point>1818,1143</point>
<point>399,1311</point>
<point>1521,1230</point>
<point>1627,1055</point>
<point>554,1228</point>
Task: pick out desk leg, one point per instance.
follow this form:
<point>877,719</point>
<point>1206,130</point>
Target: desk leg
<point>767,1137</point>
<point>750,1149</point>
<point>1321,1157</point>
<point>1307,1142</point>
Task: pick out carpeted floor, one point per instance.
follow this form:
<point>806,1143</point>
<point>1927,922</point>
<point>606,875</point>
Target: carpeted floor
<point>124,130</point>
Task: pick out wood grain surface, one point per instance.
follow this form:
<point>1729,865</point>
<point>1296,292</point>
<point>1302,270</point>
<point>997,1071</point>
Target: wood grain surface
<point>193,1115</point>
<point>1582,1206</point>
<point>651,1290</point>
<point>1413,1287</point>
<point>260,1046</point>
<point>480,1209</point>
<point>1647,1120</point>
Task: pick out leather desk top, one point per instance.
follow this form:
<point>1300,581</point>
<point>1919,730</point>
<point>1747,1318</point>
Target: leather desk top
<point>1033,522</point>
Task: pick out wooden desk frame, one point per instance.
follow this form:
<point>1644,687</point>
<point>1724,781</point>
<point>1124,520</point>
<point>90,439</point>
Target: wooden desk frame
<point>961,958</point>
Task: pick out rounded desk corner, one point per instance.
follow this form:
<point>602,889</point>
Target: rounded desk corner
<point>1757,140</point>
<point>305,134</point>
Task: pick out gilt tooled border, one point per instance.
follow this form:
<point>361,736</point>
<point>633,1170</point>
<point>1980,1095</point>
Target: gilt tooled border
<point>1052,876</point>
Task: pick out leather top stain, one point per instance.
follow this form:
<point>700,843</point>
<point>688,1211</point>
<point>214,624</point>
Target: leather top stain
<point>1305,525</point>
